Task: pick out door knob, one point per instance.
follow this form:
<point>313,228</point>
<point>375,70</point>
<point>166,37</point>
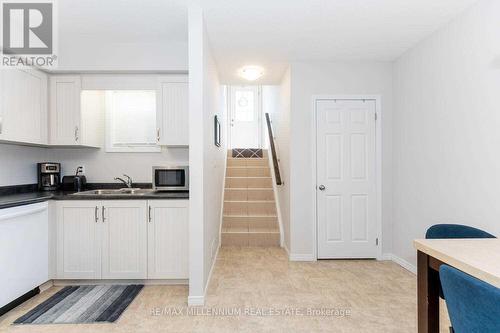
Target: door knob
<point>322,187</point>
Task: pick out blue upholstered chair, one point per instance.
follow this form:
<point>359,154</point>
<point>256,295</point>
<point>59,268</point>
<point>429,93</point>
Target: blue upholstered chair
<point>473,305</point>
<point>455,231</point>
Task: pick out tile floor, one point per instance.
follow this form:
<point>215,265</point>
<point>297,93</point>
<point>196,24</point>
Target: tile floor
<point>380,297</point>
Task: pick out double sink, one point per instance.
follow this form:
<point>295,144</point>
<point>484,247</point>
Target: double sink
<point>114,192</point>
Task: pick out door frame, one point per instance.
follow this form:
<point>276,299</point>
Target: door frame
<point>378,162</point>
<point>230,111</point>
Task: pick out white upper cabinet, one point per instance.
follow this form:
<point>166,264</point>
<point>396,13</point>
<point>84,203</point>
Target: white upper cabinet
<point>172,111</point>
<point>69,124</point>
<point>23,106</point>
<point>65,119</point>
<point>40,109</point>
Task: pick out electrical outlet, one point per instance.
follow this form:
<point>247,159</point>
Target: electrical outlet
<point>83,169</point>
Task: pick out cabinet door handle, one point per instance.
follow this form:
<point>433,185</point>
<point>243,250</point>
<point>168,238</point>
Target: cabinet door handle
<point>76,133</point>
<point>96,214</point>
<point>149,214</point>
<point>103,214</point>
<point>158,135</point>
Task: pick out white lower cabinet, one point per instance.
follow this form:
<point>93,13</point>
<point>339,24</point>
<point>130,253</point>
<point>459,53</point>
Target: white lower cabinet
<point>122,239</point>
<point>78,240</point>
<point>124,242</point>
<point>168,239</point>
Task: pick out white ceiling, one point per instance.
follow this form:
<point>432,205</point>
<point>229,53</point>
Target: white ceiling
<point>122,35</point>
<point>269,33</point>
<point>124,21</point>
<point>272,33</point>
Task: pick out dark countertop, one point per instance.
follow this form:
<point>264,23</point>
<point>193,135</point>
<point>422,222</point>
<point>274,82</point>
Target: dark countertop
<point>21,199</point>
<point>147,196</point>
<point>14,198</point>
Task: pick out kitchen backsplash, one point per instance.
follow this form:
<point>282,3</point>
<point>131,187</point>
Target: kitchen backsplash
<point>18,163</point>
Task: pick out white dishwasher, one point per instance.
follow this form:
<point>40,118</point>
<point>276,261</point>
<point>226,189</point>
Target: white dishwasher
<point>24,250</point>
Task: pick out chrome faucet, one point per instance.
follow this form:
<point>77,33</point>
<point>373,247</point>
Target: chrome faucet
<point>127,182</point>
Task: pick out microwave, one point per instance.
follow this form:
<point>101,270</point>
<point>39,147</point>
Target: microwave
<point>171,178</point>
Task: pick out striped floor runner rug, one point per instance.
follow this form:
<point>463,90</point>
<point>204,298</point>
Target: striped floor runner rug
<point>83,304</point>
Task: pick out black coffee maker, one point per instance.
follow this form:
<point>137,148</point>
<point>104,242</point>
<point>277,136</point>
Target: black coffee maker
<point>49,176</point>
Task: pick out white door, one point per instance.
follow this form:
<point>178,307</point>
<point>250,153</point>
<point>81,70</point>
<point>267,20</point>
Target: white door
<point>124,239</point>
<point>245,117</point>
<point>168,249</point>
<point>78,240</point>
<point>346,181</point>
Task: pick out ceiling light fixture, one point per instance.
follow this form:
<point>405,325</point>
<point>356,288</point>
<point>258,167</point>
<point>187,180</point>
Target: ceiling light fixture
<point>251,73</point>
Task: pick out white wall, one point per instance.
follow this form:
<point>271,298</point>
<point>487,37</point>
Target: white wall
<point>207,162</point>
<point>102,167</point>
<point>276,101</point>
<point>446,129</point>
<point>214,162</point>
<point>270,104</point>
<point>83,53</point>
<point>18,164</point>
<point>340,78</point>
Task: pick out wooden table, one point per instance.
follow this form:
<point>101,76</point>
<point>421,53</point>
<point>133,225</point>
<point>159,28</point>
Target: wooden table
<point>477,257</point>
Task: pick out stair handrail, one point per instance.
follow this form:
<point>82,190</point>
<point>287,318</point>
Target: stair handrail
<point>273,145</point>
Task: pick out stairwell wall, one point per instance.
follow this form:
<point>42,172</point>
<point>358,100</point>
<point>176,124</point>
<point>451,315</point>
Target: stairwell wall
<point>280,116</point>
<point>206,161</point>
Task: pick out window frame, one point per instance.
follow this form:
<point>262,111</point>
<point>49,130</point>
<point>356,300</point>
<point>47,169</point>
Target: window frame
<point>110,146</point>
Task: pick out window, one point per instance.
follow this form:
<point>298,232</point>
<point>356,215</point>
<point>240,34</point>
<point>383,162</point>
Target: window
<point>131,121</point>
<point>244,105</point>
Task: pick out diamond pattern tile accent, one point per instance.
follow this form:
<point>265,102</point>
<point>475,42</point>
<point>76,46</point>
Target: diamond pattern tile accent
<point>247,153</point>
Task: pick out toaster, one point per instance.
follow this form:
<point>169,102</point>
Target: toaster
<point>74,183</point>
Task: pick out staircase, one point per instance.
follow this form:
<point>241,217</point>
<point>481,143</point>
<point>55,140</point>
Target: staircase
<point>250,217</point>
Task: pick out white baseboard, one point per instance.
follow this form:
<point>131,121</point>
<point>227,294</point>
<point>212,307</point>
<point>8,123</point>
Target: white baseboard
<point>200,300</point>
<point>286,249</point>
<point>147,282</point>
<point>403,263</point>
<point>46,285</point>
<point>212,269</point>
<point>196,300</point>
<point>386,257</point>
<point>302,257</point>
